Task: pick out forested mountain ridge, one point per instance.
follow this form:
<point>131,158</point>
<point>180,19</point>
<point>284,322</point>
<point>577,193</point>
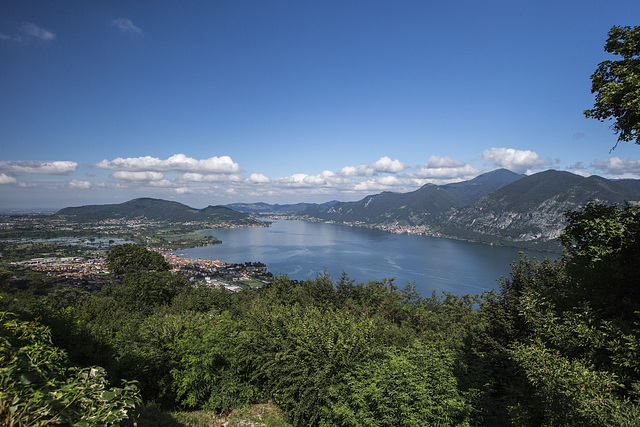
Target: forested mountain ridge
<point>416,207</point>
<point>498,207</point>
<point>155,209</point>
<point>530,211</point>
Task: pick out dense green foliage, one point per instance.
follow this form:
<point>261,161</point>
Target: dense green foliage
<point>557,344</point>
<point>38,387</point>
<point>129,258</point>
<point>617,84</point>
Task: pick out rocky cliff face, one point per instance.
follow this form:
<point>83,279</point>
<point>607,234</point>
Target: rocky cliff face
<point>530,212</point>
<point>537,228</point>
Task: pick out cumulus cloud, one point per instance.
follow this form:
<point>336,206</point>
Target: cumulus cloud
<point>378,184</point>
<point>183,190</point>
<point>79,185</point>
<point>259,178</point>
<point>175,163</point>
<point>445,168</point>
<point>519,161</point>
<point>37,167</point>
<point>125,25</point>
<point>326,178</point>
<point>162,183</point>
<point>383,165</point>
<point>616,167</point>
<point>212,177</point>
<point>137,176</point>
<point>6,179</point>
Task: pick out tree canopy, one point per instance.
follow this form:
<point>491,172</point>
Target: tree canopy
<point>129,258</point>
<point>617,85</point>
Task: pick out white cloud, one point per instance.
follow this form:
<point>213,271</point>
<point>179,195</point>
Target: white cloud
<point>162,183</point>
<point>6,179</point>
<point>618,168</point>
<point>37,167</point>
<point>582,173</point>
<point>519,161</point>
<point>259,178</point>
<point>175,163</point>
<point>326,178</point>
<point>388,180</point>
<point>79,185</point>
<point>137,176</point>
<point>443,162</point>
<point>31,30</point>
<point>445,168</point>
<point>183,190</point>
<point>199,177</point>
<point>378,184</point>
<point>125,25</point>
<point>213,177</point>
<point>382,165</point>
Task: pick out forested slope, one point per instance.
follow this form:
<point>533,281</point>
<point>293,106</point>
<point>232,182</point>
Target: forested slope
<point>154,209</point>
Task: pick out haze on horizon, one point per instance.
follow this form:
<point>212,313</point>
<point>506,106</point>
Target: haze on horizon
<point>221,102</point>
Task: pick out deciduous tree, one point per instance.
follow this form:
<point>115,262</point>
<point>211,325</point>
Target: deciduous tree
<point>129,258</point>
<point>617,85</point>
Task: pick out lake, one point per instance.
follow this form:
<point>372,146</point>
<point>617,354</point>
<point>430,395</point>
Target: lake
<point>302,250</point>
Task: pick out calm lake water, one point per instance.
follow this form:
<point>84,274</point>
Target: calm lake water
<point>303,249</point>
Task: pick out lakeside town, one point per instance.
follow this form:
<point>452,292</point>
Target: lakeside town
<point>74,253</point>
<point>91,273</point>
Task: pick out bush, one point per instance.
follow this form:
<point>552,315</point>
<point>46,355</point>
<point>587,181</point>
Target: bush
<point>37,387</point>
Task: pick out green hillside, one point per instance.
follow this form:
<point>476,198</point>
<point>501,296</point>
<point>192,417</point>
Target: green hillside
<point>156,210</point>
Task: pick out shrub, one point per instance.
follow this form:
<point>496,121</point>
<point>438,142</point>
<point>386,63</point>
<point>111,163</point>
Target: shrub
<point>37,387</point>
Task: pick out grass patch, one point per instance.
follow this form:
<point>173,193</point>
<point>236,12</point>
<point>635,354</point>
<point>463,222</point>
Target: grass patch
<point>262,415</point>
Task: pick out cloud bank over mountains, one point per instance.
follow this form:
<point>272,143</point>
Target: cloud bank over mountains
<point>222,179</point>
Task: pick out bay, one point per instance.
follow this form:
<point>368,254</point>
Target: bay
<point>302,250</point>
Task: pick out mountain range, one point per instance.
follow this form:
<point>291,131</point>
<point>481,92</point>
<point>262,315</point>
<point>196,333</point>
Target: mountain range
<point>499,207</point>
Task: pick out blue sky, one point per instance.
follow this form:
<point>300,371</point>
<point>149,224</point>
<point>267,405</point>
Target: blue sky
<point>215,102</point>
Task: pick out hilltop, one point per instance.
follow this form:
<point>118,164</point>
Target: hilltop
<point>156,210</point>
